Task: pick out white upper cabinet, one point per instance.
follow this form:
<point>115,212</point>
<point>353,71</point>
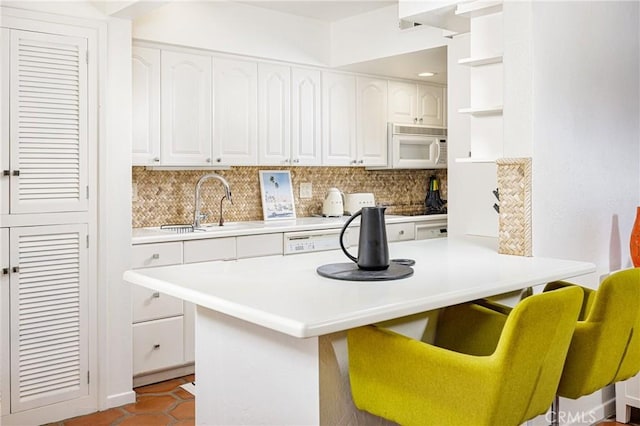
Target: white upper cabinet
<point>431,108</point>
<point>235,139</point>
<point>402,102</point>
<point>306,117</point>
<point>146,106</point>
<point>371,149</point>
<point>45,90</point>
<point>274,114</point>
<point>338,119</point>
<point>186,109</point>
<point>416,104</point>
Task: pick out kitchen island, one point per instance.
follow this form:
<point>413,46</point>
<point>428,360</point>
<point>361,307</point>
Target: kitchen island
<point>270,332</point>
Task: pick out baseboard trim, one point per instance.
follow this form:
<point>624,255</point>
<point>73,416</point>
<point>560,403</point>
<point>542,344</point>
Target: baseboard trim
<point>120,399</point>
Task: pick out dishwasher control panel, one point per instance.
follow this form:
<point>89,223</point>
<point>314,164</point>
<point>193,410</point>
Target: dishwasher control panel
<point>309,241</point>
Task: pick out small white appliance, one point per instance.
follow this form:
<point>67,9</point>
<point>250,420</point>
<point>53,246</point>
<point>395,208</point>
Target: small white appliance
<point>356,201</point>
<point>413,146</point>
<point>332,205</point>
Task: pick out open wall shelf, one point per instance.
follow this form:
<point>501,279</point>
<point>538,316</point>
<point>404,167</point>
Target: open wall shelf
<point>482,111</point>
<point>478,8</point>
<point>477,62</point>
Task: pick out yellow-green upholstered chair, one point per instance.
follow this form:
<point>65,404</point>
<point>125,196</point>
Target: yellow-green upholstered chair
<point>606,343</point>
<point>484,369</point>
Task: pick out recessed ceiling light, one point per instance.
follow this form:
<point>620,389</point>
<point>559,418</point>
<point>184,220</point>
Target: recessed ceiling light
<point>426,74</point>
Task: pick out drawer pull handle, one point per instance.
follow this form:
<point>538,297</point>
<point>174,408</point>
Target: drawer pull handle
<point>156,295</point>
<point>5,271</point>
<point>16,269</point>
<point>402,232</point>
<point>156,346</point>
<point>155,256</point>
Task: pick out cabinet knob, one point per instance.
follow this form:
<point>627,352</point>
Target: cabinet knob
<point>401,232</point>
<point>296,161</point>
<point>156,347</point>
<point>16,173</point>
<point>354,162</point>
<point>361,162</point>
<point>156,160</point>
<point>208,160</point>
<point>155,256</point>
<point>286,161</point>
<point>415,119</point>
<point>218,160</point>
<point>421,120</point>
<point>15,269</point>
<point>156,295</point>
<point>5,271</point>
<point>6,173</point>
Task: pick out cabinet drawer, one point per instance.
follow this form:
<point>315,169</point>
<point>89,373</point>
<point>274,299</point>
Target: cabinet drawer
<point>149,304</point>
<point>157,345</point>
<point>401,232</point>
<point>211,249</point>
<point>161,254</point>
<point>259,245</point>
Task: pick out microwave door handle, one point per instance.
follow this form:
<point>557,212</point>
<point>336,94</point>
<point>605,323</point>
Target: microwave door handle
<point>437,152</point>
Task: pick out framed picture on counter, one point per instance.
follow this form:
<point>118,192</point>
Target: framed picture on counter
<point>277,194</point>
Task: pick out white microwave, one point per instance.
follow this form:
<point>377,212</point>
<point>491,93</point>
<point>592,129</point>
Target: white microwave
<point>416,147</point>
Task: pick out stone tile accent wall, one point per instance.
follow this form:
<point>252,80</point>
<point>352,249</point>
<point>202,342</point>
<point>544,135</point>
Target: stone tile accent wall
<point>167,197</point>
<point>514,186</point>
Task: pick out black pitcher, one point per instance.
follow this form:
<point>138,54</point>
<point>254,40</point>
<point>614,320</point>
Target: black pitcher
<point>373,249</point>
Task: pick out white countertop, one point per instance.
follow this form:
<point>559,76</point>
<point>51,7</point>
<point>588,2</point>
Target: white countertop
<point>232,229</point>
<point>284,293</point>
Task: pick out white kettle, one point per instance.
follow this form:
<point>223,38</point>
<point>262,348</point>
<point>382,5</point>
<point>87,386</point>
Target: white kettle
<point>332,204</point>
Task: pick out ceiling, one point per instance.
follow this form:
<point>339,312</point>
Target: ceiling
<point>406,66</point>
<point>323,10</point>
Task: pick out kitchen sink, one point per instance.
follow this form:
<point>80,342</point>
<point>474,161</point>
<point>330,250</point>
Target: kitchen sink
<point>209,227</point>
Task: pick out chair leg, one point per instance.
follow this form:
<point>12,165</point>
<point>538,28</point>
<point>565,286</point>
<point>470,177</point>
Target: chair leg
<point>555,407</point>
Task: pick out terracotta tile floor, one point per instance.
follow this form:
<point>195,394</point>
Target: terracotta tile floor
<point>164,403</point>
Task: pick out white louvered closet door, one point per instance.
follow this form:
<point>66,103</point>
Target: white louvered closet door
<point>48,123</point>
<point>49,336</point>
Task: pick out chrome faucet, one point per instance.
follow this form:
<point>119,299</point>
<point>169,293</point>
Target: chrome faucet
<point>197,216</point>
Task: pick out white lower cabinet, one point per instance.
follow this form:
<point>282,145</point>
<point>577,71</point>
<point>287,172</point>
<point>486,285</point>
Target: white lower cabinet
<point>401,232</point>
<point>158,344</point>
<point>158,324</point>
<point>259,245</point>
<point>44,333</point>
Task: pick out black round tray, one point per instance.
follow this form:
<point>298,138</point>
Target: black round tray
<point>350,272</point>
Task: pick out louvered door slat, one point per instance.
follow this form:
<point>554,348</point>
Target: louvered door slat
<point>48,295</point>
<point>48,122</point>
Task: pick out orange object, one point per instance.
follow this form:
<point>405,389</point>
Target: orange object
<point>634,244</point>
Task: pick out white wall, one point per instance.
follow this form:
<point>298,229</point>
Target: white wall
<point>115,366</point>
<point>586,130</point>
<point>237,28</point>
<point>585,141</point>
<point>376,35</point>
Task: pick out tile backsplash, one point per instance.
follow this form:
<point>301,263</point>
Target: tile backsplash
<point>167,197</point>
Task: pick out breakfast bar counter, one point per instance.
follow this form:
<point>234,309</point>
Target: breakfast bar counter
<point>270,332</point>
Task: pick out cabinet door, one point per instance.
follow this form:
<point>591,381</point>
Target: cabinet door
<point>48,123</point>
<point>371,122</point>
<point>5,353</point>
<point>402,102</point>
<point>4,120</point>
<point>274,114</point>
<point>146,106</point>
<point>185,109</point>
<point>338,119</point>
<point>49,315</point>
<point>236,112</point>
<point>430,105</point>
<point>306,116</point>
